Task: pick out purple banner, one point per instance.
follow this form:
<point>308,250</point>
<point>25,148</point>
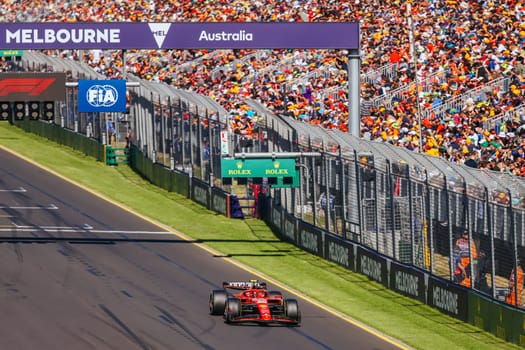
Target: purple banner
<point>102,35</point>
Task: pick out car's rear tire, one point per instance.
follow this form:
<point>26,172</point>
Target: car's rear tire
<point>233,309</point>
<point>291,310</point>
<point>218,299</point>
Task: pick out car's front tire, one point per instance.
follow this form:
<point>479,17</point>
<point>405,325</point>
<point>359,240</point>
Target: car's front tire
<point>233,309</point>
<point>291,310</point>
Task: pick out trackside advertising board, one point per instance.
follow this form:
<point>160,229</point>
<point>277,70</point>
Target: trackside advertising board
<point>497,318</point>
<point>277,218</point>
<point>408,281</point>
<point>102,96</point>
<point>289,232</point>
<point>448,298</point>
<point>136,35</point>
<point>310,238</point>
<point>339,251</point>
<point>24,87</point>
<point>199,192</point>
<point>372,265</point>
<point>220,201</point>
<point>11,53</point>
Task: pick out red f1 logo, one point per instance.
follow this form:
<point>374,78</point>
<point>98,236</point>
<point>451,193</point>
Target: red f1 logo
<point>31,86</point>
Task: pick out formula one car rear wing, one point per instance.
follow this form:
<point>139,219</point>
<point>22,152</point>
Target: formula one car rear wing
<point>252,284</point>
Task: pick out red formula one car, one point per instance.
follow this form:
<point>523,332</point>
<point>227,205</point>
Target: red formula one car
<point>253,304</point>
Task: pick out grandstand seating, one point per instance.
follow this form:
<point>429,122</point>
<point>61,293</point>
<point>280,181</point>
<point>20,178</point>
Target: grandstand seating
<point>441,66</point>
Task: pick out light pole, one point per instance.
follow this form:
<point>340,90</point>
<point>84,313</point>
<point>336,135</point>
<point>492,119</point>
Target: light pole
<point>416,79</point>
<point>301,165</point>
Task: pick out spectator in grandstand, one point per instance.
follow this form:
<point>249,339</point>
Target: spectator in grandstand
<point>327,203</point>
<point>480,282</point>
<point>461,272</point>
<point>515,296</point>
<point>472,161</point>
<point>111,130</point>
<point>206,157</point>
<point>462,245</point>
<point>129,138</point>
<point>178,149</point>
<point>466,251</point>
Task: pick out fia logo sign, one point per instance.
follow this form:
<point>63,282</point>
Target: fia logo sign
<point>102,96</point>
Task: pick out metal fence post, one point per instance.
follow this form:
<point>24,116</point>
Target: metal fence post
<point>412,217</point>
<point>153,131</point>
<point>515,257</point>
<point>183,137</point>
<point>358,194</point>
<point>491,242</point>
<point>392,211</point>
<point>449,227</point>
<point>429,237</point>
<point>342,191</point>
<point>314,183</point>
<point>163,132</point>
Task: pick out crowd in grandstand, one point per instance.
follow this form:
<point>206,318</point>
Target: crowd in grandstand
<point>450,72</point>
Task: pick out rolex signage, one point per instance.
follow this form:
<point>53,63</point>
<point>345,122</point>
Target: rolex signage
<point>279,167</point>
<point>280,172</point>
<point>11,53</point>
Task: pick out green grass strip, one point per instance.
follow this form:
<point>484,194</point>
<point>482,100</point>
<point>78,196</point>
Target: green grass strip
<point>252,243</point>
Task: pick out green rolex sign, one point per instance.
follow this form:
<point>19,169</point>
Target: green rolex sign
<point>283,169</point>
<point>11,53</point>
<point>258,167</point>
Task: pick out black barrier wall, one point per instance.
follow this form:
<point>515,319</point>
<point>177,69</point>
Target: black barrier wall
<point>448,298</point>
<point>220,201</point>
<point>310,238</point>
<point>339,251</point>
<point>200,192</point>
<point>55,133</point>
<point>499,319</point>
<point>372,265</point>
<point>408,281</point>
<point>289,231</point>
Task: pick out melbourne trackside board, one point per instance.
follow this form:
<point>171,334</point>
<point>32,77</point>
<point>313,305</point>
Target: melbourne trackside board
<point>133,35</point>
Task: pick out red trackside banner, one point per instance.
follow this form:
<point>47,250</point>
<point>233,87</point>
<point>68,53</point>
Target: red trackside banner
<point>16,87</point>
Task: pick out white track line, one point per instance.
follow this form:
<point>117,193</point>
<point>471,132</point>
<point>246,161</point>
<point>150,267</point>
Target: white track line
<point>41,207</point>
<point>21,189</point>
<point>76,230</point>
<point>83,227</point>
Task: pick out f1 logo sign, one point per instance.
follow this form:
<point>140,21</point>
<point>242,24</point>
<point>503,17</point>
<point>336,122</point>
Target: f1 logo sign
<point>30,86</point>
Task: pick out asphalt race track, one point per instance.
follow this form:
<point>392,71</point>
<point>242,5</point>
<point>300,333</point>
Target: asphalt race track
<point>77,272</point>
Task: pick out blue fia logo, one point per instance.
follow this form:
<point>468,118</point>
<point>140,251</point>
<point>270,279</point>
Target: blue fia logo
<point>102,96</point>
